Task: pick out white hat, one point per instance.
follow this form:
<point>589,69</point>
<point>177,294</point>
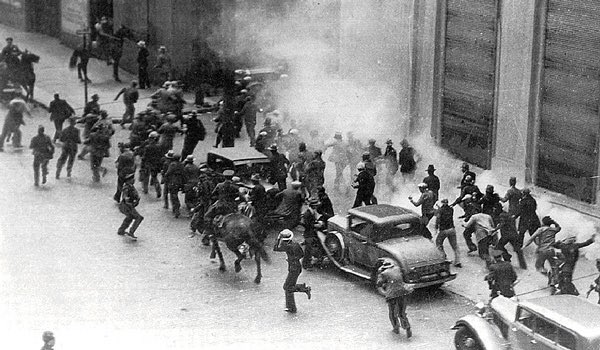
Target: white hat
<point>286,235</point>
<point>141,43</point>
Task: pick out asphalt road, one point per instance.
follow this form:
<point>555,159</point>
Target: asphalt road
<point>63,268</point>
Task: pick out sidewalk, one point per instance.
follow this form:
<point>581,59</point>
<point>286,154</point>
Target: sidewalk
<point>53,75</point>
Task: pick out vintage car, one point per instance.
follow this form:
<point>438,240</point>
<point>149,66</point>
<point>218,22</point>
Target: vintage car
<point>244,160</point>
<point>550,322</point>
<point>355,243</point>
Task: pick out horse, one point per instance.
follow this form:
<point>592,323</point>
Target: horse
<point>22,74</point>
<point>237,230</point>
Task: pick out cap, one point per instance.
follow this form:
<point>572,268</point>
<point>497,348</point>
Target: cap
<point>228,173</point>
<point>547,221</point>
<point>273,147</point>
<point>526,191</point>
<point>243,91</point>
<point>338,135</point>
<point>95,97</point>
<point>47,336</point>
<point>430,167</point>
<point>170,154</point>
<point>371,141</point>
<point>189,158</point>
<point>389,141</point>
<point>360,166</point>
<point>141,43</point>
<point>422,185</point>
<point>255,177</point>
<point>236,179</point>
<point>286,235</point>
<point>162,47</point>
<point>294,131</point>
<point>263,133</point>
<point>153,134</point>
<point>296,184</point>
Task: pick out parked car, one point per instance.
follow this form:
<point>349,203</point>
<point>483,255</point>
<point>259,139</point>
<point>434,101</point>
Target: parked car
<point>551,322</point>
<point>355,243</point>
<point>244,160</point>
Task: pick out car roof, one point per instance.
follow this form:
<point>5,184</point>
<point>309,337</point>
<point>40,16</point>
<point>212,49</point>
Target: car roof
<point>241,155</point>
<point>382,214</point>
<point>573,312</point>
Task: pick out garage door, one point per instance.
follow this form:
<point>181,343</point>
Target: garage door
<point>469,79</point>
<point>569,118</point>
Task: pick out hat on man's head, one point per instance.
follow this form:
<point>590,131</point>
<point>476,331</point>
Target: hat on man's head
<point>47,336</point>
<point>162,47</point>
<point>296,184</point>
<point>422,185</point>
<point>273,147</point>
<point>286,235</point>
<point>153,134</point>
<point>236,179</point>
<point>189,158</point>
<point>444,201</point>
<point>389,142</point>
<point>372,141</point>
<point>95,97</point>
<point>170,154</point>
<point>430,168</point>
<point>141,43</point>
<point>526,191</point>
<point>228,173</point>
<point>255,177</point>
<point>338,135</point>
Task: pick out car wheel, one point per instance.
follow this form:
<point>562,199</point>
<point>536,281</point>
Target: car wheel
<point>334,246</point>
<point>464,339</point>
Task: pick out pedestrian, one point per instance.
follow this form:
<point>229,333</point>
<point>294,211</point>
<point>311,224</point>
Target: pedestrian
<point>469,189</point>
<point>13,122</point>
<point>407,161</point>
<point>326,207</point>
<point>501,277</point>
<point>483,227</point>
<point>60,111</point>
<point>315,172</point>
<point>227,134</point>
<point>248,114</point>
<point>509,234</point>
<point>258,198</point>
<point>513,196</point>
<point>445,226</point>
<point>490,203</point>
<point>369,164</point>
<point>142,61</point>
<point>99,145</point>
<point>426,201</point>
<point>279,168</point>
<point>432,181</point>
<point>165,162</point>
<point>595,286</point>
<point>290,205</point>
<point>91,115</point>
<point>70,138</point>
<point>544,237</point>
<point>130,97</point>
<point>339,157</point>
<point>192,175</point>
<point>194,133</point>
<point>43,151</point>
<point>526,212</point>
<point>374,154</point>
<point>466,173</point>
<point>293,250</point>
<point>570,251</point>
<point>365,186</point>
<point>80,58</point>
<point>175,181</point>
<point>391,281</point>
<point>163,65</point>
<point>139,132</point>
<point>125,166</point>
<point>129,200</point>
<point>391,159</point>
<point>311,222</point>
<point>151,164</point>
<point>49,340</point>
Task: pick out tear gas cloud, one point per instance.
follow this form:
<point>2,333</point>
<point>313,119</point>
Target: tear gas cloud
<point>304,36</point>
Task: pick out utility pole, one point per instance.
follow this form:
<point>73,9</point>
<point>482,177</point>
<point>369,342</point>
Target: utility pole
<point>84,33</point>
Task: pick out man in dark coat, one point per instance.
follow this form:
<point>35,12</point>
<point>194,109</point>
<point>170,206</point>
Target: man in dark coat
<point>509,234</point>
<point>152,154</point>
<point>315,172</point>
<point>407,162</point>
<point>501,277</point>
<point>70,139</point>
<point>391,160</point>
<point>10,55</point>
<point>326,207</point>
<point>468,189</point>
<point>279,168</point>
<point>175,181</point>
<point>12,124</point>
<point>391,281</point>
<point>194,133</point>
<point>466,173</point>
<point>512,196</point>
<point>60,111</point>
<point>83,54</point>
<point>192,176</point>
<point>445,226</point>
<point>130,97</point>
<point>365,185</point>
<point>426,201</point>
<point>285,243</point>
<point>142,61</point>
<point>432,181</point>
<point>311,222</point>
<point>99,144</point>
<point>225,192</point>
<point>258,197</point>
<point>43,150</point>
<point>227,134</point>
<point>290,205</point>
<point>248,114</point>
<point>130,199</point>
<point>125,166</point>
<point>490,203</point>
<point>168,131</point>
<point>529,220</point>
<point>570,251</point>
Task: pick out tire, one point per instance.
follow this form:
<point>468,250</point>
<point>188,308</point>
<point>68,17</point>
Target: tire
<point>464,339</point>
<point>334,246</point>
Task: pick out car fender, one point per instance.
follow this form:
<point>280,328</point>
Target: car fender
<point>482,330</point>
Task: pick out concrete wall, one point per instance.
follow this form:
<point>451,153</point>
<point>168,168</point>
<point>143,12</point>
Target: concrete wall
<point>74,16</point>
<point>13,14</point>
<point>514,87</point>
<point>376,45</point>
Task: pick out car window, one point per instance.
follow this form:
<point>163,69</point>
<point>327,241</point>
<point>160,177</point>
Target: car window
<point>545,329</point>
<point>382,233</point>
<point>566,339</point>
<point>526,318</point>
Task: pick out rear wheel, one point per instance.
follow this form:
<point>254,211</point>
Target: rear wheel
<point>464,339</point>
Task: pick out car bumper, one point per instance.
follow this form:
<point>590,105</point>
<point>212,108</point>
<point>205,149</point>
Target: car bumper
<point>426,282</point>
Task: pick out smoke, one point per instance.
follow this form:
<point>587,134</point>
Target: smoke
<point>306,36</point>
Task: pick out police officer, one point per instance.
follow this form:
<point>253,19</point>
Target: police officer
<point>285,243</point>
<point>129,200</point>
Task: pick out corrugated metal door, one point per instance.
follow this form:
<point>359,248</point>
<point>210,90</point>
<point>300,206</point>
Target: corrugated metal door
<point>569,118</point>
<point>467,121</point>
